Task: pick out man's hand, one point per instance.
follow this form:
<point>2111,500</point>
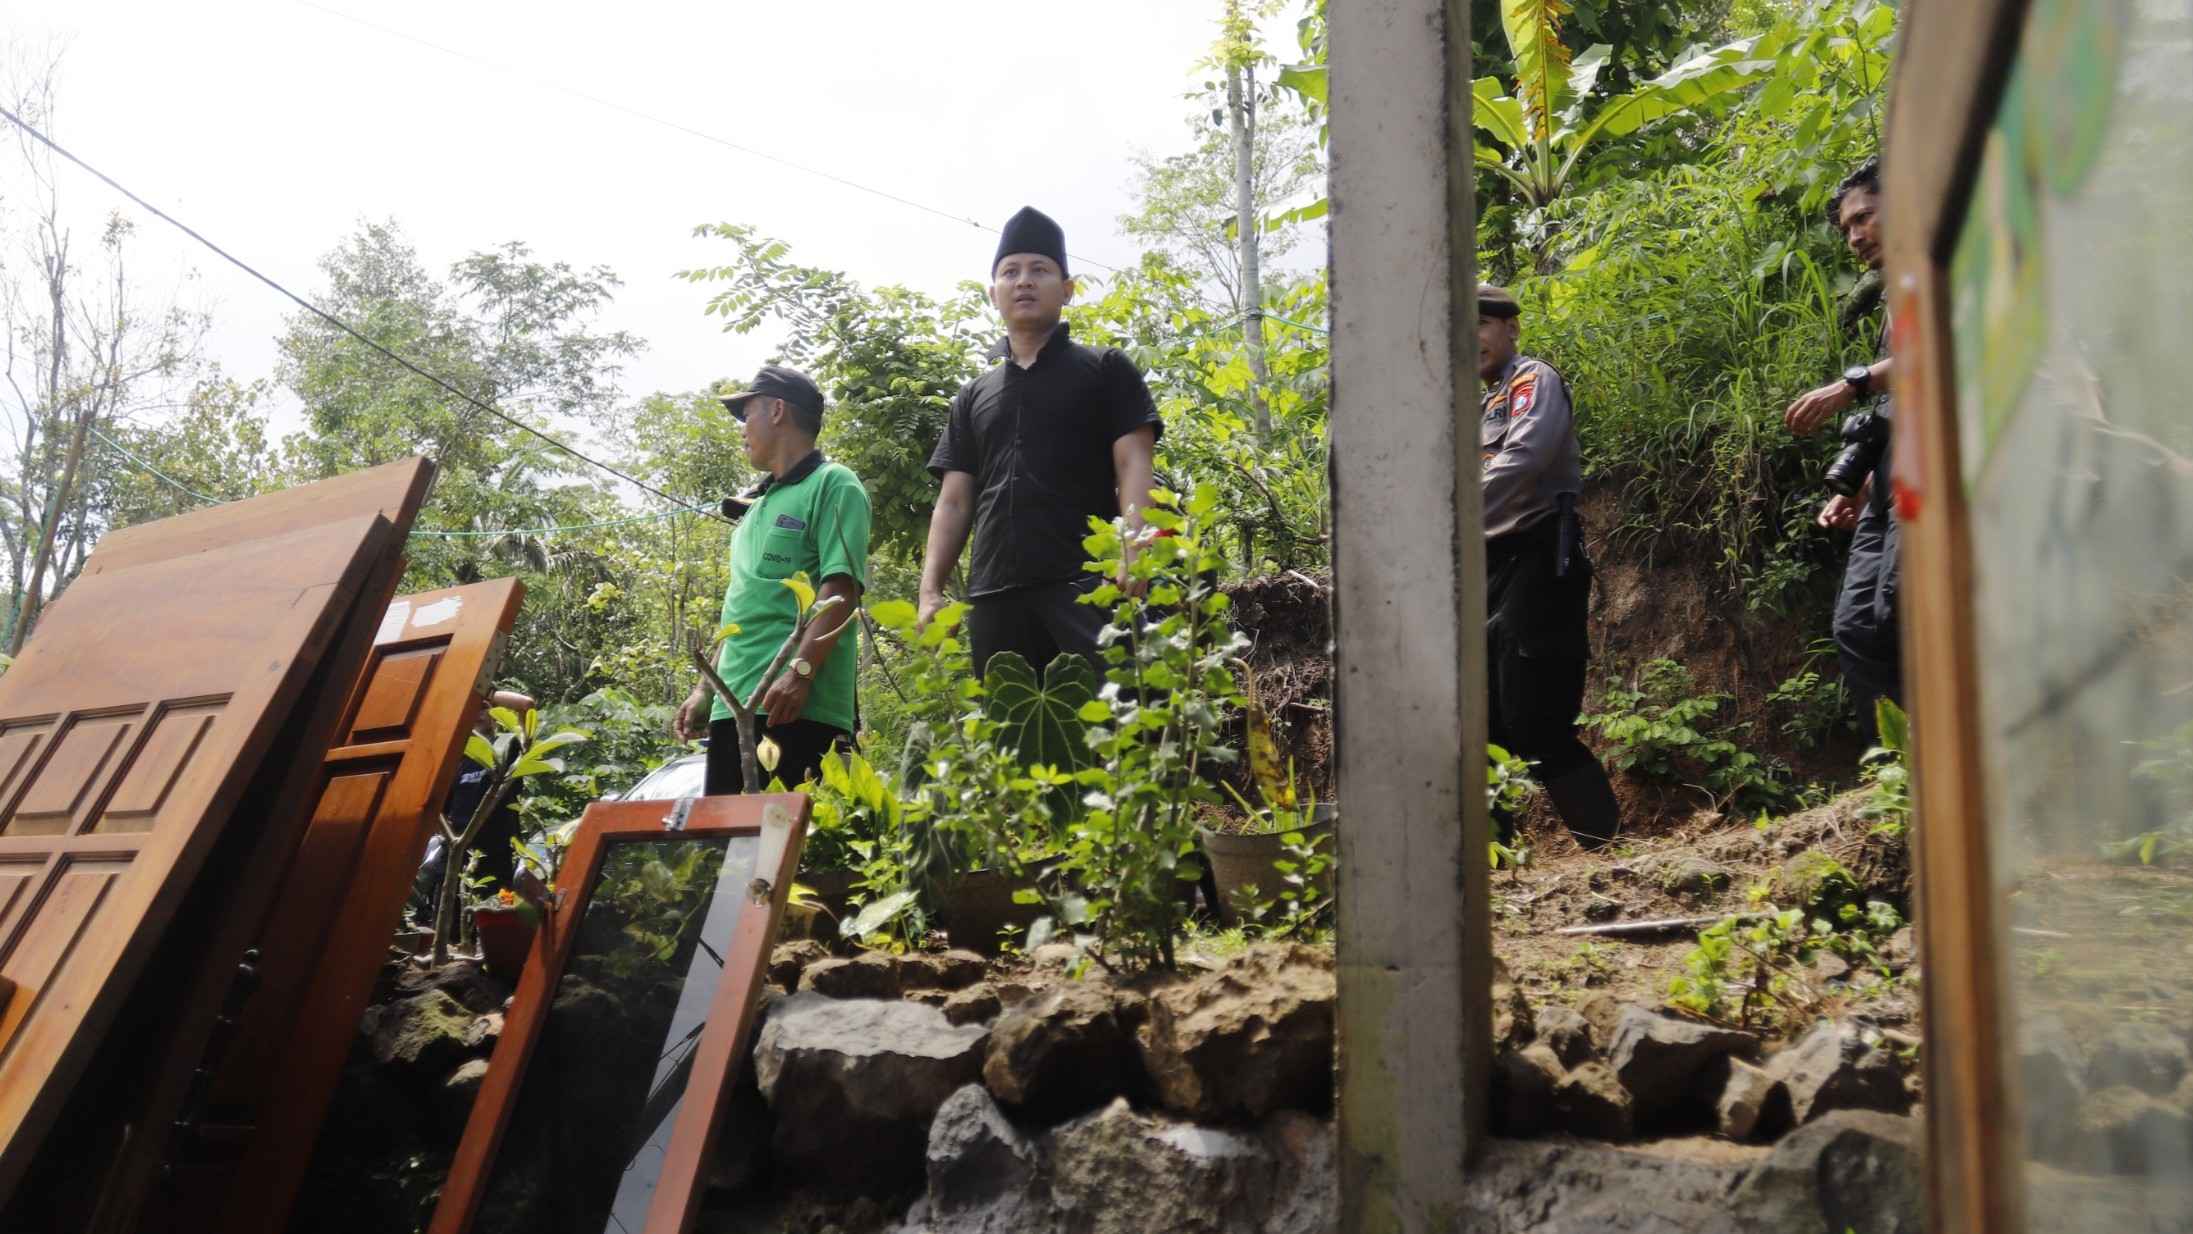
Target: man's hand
<point>1840,513</point>
<point>786,699</point>
<point>1816,407</point>
<point>931,602</point>
<point>691,723</point>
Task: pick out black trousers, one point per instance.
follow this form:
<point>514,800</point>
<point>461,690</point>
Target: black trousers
<point>1868,640</point>
<point>1537,648</point>
<point>800,744</point>
<point>1040,622</point>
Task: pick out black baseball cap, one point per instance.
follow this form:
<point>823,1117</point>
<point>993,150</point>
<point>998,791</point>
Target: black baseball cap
<point>777,381</point>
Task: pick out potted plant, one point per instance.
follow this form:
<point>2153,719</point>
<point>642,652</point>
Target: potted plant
<point>506,923</point>
<point>1252,864</point>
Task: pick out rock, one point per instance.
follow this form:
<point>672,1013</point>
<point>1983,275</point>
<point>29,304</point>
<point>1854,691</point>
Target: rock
<point>2051,1071</point>
<point>1603,1012</point>
<point>866,1072</point>
<point>1253,1036</point>
<point>1816,882</point>
<point>1753,1104</point>
<point>2138,1055</point>
<point>2123,1130</point>
<point>929,998</point>
<point>1511,1011</point>
<point>977,1004</point>
<point>1055,955</point>
<point>1119,1172</point>
<point>742,1145</point>
<point>1600,908</point>
<point>483,1033</point>
<point>1309,1175</point>
<point>1522,1090</point>
<point>1567,1032</point>
<point>463,980</point>
<point>1693,878</point>
<point>425,1033</point>
<point>1590,1101</point>
<point>454,1101</point>
<point>948,970</point>
<point>1833,1068</point>
<point>870,974</point>
<point>1068,1052</point>
<point>1850,1170</point>
<point>1658,1058</point>
<point>982,1170</point>
<point>789,960</point>
<point>1902,949</point>
<point>1828,966</point>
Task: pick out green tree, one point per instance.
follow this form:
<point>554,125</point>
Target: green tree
<point>1544,124</point>
<point>889,361</point>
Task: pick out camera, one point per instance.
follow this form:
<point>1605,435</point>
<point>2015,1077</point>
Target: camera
<point>1865,435</point>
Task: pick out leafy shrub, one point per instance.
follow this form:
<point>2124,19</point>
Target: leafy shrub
<point>1887,766</point>
<point>1156,726</point>
<point>1659,728</point>
<point>1815,708</point>
<point>1758,965</point>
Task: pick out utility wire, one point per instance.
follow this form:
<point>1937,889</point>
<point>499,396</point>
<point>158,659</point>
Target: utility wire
<point>335,321</point>
<point>677,126</point>
<point>416,534</point>
<point>157,474</point>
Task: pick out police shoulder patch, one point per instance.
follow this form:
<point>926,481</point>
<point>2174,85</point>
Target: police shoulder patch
<point>1522,392</point>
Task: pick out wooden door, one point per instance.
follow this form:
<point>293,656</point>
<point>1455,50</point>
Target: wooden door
<point>396,754</point>
<point>132,727</point>
<point>612,1157</point>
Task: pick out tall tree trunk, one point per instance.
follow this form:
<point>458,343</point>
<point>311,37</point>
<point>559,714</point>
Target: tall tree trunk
<point>1241,120</point>
<point>54,510</point>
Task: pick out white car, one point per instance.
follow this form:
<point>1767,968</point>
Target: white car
<point>683,776</point>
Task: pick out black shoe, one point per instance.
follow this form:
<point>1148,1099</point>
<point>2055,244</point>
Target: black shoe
<point>1585,801</point>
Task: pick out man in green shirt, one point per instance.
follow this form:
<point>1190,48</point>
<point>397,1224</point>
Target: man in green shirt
<point>806,514</point>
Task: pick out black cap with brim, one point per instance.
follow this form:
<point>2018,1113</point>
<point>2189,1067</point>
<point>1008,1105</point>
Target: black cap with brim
<point>777,381</point>
<point>1496,302</point>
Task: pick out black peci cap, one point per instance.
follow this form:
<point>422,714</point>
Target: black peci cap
<point>1496,302</point>
<point>1032,231</point>
<point>777,381</point>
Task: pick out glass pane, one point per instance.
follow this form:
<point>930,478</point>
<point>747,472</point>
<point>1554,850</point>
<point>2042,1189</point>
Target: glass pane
<point>586,1142</point>
<point>2073,298</point>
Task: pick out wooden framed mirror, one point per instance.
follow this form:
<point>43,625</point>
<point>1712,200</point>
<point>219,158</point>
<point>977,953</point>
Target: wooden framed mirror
<point>604,1096</point>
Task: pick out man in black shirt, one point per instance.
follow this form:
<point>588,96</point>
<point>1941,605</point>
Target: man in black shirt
<point>1033,448</point>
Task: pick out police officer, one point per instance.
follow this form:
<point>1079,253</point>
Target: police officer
<point>1867,638</point>
<point>1033,448</point>
<point>1537,578</point>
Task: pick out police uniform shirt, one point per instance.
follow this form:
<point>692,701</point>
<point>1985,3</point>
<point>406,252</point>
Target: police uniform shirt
<point>1038,442</point>
<point>1527,438</point>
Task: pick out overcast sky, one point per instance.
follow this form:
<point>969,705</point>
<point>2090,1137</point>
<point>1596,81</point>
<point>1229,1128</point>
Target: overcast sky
<point>275,126</point>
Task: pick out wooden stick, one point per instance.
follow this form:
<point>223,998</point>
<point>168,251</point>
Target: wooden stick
<point>1664,925</point>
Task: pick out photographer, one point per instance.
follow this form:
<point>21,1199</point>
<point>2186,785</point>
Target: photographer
<point>1865,624</point>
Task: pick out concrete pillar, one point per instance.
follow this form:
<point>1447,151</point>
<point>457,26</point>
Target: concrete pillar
<point>1415,946</point>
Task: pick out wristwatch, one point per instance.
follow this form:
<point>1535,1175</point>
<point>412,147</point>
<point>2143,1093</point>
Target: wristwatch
<point>1860,380</point>
<point>800,667</point>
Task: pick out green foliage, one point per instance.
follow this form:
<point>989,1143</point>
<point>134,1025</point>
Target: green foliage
<point>2167,776</point>
<point>1157,727</point>
<point>1757,966</point>
<point>1815,708</point>
<point>657,906</point>
<point>1658,728</point>
<point>1040,721</point>
<point>889,360</point>
<point>517,751</point>
<point>1888,767</point>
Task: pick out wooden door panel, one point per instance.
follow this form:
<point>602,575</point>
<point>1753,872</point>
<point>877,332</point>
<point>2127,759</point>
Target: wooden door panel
<point>152,687</point>
<point>399,749</point>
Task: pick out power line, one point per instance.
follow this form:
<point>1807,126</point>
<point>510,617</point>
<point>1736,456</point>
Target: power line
<point>333,320</point>
<point>680,127</point>
<point>158,474</point>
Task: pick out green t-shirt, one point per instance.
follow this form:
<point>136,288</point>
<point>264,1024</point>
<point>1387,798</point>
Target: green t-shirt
<point>818,524</point>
